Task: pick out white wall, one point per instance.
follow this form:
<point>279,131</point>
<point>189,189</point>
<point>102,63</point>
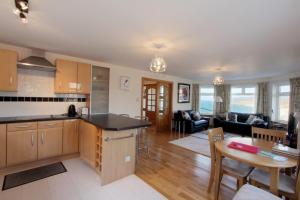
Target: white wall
<point>120,101</point>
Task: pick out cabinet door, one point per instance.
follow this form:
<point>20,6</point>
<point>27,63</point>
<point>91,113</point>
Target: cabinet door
<point>87,142</point>
<point>70,136</point>
<point>84,78</point>
<point>21,147</point>
<point>66,76</point>
<point>8,66</point>
<point>2,145</point>
<point>49,142</point>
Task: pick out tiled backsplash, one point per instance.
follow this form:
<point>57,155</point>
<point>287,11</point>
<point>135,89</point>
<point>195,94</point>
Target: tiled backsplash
<point>35,96</point>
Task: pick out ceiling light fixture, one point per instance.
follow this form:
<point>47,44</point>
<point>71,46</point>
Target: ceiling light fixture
<point>218,80</point>
<point>22,9</point>
<point>158,64</point>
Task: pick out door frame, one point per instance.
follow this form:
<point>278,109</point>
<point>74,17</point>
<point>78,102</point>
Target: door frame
<point>171,94</point>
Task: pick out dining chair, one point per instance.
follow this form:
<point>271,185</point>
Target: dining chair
<point>230,167</point>
<point>288,186</point>
<point>272,135</point>
<point>249,192</point>
<point>142,138</point>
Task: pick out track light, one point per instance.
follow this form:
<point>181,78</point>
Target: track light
<point>16,11</point>
<point>23,18</point>
<point>24,5</point>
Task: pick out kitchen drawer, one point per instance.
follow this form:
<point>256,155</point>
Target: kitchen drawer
<point>50,124</point>
<point>21,126</point>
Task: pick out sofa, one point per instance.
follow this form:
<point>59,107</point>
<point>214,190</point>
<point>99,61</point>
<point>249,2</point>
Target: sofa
<point>191,125</point>
<point>240,126</point>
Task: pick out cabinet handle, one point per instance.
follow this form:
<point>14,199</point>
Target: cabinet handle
<point>32,140</point>
<point>25,126</point>
<point>119,138</point>
<point>50,124</point>
<point>11,80</point>
<point>43,138</point>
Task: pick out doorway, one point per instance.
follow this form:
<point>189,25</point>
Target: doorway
<point>157,102</point>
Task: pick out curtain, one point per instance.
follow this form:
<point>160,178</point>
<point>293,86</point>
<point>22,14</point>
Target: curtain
<point>295,95</point>
<point>195,97</point>
<point>223,92</point>
<point>263,98</point>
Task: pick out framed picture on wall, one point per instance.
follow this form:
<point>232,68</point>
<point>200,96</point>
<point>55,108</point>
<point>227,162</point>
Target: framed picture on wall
<point>183,93</point>
<point>124,83</point>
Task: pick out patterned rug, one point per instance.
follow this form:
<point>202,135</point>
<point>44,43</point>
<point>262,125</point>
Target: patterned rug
<point>198,142</point>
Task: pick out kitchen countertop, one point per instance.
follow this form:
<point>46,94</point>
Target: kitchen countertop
<point>110,122</point>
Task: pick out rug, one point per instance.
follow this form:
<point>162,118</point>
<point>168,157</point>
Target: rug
<point>198,142</point>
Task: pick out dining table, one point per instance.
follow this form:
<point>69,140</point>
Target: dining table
<point>252,159</point>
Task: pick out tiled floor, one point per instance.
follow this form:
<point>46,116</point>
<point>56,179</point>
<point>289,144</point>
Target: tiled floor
<point>81,183</point>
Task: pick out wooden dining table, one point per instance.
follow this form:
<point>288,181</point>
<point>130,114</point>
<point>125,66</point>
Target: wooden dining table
<point>255,160</point>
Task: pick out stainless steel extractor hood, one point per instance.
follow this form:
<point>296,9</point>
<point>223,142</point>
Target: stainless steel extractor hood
<point>36,62</point>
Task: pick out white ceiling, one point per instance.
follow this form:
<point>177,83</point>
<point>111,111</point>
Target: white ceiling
<point>247,38</point>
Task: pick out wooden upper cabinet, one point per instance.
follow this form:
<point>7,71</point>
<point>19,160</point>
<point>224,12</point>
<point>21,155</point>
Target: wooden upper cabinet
<point>8,70</point>
<point>2,145</point>
<point>66,76</point>
<point>84,78</point>
<point>72,77</point>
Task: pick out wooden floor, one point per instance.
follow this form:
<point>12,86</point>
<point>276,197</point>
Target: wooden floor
<point>178,173</point>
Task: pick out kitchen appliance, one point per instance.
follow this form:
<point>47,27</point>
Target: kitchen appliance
<point>84,111</point>
<point>72,111</point>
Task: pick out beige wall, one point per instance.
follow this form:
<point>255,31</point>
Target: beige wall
<point>120,101</point>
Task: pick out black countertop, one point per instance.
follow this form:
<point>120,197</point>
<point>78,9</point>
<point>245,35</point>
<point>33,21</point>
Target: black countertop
<point>111,122</point>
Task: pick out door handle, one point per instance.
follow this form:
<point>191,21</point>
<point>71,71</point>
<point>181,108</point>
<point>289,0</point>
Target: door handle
<point>32,139</point>
<point>42,138</point>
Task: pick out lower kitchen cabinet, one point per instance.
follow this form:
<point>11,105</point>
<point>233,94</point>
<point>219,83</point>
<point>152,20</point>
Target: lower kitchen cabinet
<point>2,145</point>
<point>21,147</point>
<point>87,142</point>
<point>70,137</point>
<point>49,142</point>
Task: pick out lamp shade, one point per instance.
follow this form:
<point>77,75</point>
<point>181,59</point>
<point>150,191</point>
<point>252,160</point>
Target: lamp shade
<point>219,99</point>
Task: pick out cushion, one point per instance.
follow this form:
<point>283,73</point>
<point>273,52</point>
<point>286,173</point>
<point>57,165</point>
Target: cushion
<point>249,192</point>
<point>232,117</point>
<point>250,119</point>
<point>186,116</point>
<point>195,116</point>
<point>199,122</point>
<point>257,121</point>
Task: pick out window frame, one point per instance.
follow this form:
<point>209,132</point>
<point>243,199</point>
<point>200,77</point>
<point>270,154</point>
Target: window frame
<point>207,94</point>
<point>276,94</point>
<point>243,92</point>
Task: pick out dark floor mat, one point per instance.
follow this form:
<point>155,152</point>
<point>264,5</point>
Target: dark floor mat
<point>31,175</point>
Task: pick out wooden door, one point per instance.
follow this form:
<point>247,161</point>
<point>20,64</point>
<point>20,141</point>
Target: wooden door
<point>21,147</point>
<point>164,92</point>
<point>87,142</point>
<point>8,66</point>
<point>84,78</point>
<point>70,137</point>
<point>149,102</point>
<point>49,142</point>
<point>66,76</point>
<point>2,145</point>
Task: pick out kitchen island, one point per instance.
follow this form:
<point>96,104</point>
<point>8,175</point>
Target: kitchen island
<point>106,142</point>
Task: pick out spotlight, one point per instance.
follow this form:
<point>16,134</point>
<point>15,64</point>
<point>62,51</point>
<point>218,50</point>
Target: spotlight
<point>23,18</point>
<point>16,11</point>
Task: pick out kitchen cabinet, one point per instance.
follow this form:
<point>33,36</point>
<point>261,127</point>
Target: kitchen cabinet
<point>49,139</point>
<point>87,142</point>
<point>84,78</point>
<point>21,147</point>
<point>70,137</point>
<point>8,66</point>
<point>72,77</point>
<point>2,145</point>
<point>66,76</point>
